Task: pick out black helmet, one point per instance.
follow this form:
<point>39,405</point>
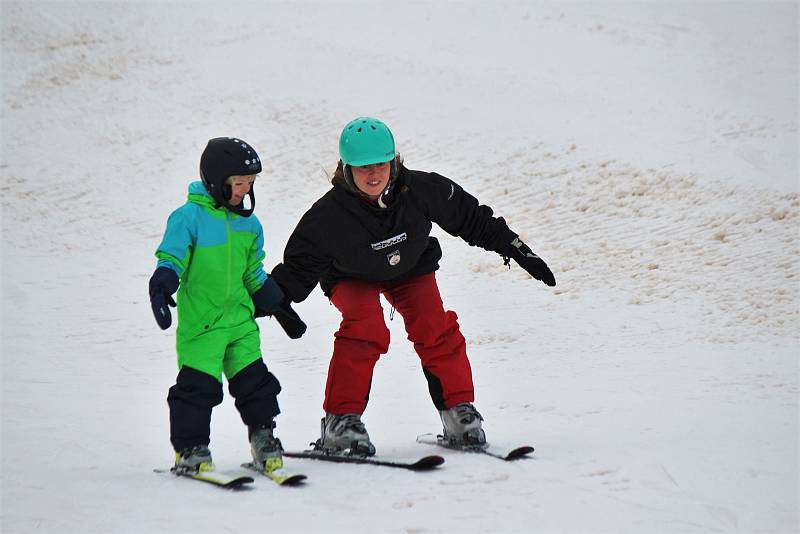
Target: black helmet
<point>224,157</point>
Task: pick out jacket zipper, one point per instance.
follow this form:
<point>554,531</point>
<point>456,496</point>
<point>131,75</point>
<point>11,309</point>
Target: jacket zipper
<point>228,270</point>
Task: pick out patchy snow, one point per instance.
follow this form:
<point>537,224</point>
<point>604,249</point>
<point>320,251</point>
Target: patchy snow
<point>648,151</point>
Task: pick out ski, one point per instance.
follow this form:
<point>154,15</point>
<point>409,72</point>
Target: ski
<point>217,479</point>
<point>423,464</point>
<point>277,475</point>
<point>487,449</point>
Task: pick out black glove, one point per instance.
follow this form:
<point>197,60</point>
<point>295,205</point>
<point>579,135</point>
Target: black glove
<point>163,284</point>
<point>524,256</point>
<point>271,301</point>
<point>268,297</point>
<point>291,323</point>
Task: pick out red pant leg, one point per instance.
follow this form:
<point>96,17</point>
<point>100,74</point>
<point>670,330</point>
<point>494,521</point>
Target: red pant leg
<point>437,339</point>
<point>362,337</point>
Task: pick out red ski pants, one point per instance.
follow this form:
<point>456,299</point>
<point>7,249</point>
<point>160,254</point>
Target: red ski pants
<point>362,337</point>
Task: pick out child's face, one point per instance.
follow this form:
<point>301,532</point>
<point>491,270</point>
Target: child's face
<point>240,186</point>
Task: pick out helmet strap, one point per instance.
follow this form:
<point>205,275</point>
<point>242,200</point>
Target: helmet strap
<point>386,197</point>
<point>347,171</point>
<point>240,209</point>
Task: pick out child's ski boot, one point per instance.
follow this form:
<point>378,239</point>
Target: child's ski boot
<point>194,460</point>
<point>266,448</point>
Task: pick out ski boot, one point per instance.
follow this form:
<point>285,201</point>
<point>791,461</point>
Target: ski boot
<point>266,448</point>
<point>344,433</point>
<point>462,426</point>
<point>195,459</point>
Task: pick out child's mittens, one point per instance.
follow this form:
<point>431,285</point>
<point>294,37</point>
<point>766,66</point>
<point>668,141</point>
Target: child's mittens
<point>163,284</point>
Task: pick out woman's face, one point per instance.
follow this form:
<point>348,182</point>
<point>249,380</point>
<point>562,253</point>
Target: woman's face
<point>372,179</point>
<point>240,186</point>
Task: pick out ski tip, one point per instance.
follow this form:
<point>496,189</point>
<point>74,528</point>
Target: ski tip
<point>276,476</point>
<point>293,480</point>
<point>240,482</point>
<point>427,462</point>
<point>221,481</point>
<point>519,452</point>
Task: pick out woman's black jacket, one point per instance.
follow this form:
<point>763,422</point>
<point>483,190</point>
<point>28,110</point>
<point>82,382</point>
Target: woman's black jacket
<point>344,236</point>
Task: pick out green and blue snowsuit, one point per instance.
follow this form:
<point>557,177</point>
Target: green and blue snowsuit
<point>218,257</point>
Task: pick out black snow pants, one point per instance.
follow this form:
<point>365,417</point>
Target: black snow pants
<point>195,394</point>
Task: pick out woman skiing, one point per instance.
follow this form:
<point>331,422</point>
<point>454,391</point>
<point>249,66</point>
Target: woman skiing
<point>212,254</point>
<point>369,235</point>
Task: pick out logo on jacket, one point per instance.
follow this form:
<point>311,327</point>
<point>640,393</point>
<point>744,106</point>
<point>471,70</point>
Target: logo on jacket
<point>393,257</point>
<point>386,243</point>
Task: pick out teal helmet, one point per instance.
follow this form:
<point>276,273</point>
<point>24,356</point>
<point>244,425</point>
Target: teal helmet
<point>365,141</point>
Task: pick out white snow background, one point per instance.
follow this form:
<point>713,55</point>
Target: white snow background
<point>648,151</point>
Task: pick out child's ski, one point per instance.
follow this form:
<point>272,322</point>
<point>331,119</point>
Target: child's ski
<point>488,449</point>
<point>277,475</point>
<point>211,477</point>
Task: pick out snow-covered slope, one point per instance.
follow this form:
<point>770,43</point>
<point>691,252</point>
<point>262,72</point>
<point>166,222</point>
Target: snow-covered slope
<point>648,151</point>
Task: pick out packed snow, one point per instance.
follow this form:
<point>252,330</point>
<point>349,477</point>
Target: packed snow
<point>647,150</point>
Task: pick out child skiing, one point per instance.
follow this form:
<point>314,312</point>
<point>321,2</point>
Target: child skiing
<point>212,254</point>
<point>369,235</point>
